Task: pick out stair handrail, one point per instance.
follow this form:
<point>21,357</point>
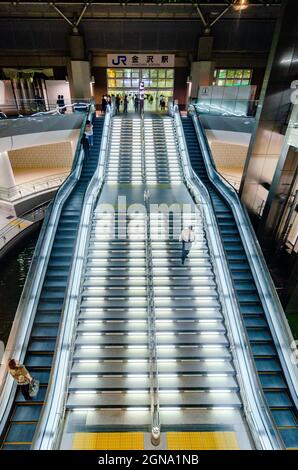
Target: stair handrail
<point>50,426</point>
<point>277,321</point>
<point>24,317</point>
<point>258,417</point>
<point>152,341</point>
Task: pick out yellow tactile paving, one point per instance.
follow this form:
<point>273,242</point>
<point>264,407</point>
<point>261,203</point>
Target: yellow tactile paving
<point>22,224</point>
<point>108,441</point>
<point>202,441</point>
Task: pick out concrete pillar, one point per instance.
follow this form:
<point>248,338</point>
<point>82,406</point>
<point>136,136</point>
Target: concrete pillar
<point>268,147</point>
<point>77,47</point>
<point>79,79</point>
<point>205,48</point>
<point>202,70</point>
<point>202,73</point>
<point>6,174</point>
<point>79,69</point>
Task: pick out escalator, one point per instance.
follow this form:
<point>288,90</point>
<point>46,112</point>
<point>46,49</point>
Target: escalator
<point>263,347</point>
<point>25,415</point>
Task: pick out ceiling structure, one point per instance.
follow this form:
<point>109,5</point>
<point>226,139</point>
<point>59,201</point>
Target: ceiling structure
<point>207,11</point>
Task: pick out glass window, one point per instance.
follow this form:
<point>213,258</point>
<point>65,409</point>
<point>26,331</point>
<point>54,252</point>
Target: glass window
<point>145,73</point>
<point>119,83</point>
<point>119,74</point>
<point>232,77</point>
<point>170,73</point>
<point>161,83</point>
<point>153,73</point>
<point>127,83</point>
<point>111,73</point>
<point>222,73</point>
<point>111,83</point>
<point>162,73</point>
<point>127,73</point>
<point>153,83</point>
<point>135,83</point>
<point>135,73</point>
<point>169,83</point>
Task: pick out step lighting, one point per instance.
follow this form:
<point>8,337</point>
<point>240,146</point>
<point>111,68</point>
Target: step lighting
<point>89,361</point>
<point>139,322</point>
<point>90,348</point>
<point>137,408</point>
<point>88,376</point>
<point>136,391</point>
<point>80,410</point>
<point>85,392</point>
<point>167,361</point>
<point>223,408</point>
<point>219,391</point>
<point>137,361</point>
<point>137,376</point>
<point>216,375</point>
<point>92,322</point>
<point>171,408</point>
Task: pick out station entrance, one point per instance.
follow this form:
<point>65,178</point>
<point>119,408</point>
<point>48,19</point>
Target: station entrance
<point>158,82</point>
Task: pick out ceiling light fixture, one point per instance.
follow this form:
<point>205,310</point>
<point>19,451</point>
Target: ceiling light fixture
<point>241,5</point>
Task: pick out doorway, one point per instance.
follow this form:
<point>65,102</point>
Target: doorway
<point>158,83</point>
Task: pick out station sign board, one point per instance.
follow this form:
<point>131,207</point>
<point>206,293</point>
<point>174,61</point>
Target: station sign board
<point>141,60</point>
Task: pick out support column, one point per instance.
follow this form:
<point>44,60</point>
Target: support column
<point>6,174</point>
<point>202,70</point>
<point>268,149</point>
<point>79,69</point>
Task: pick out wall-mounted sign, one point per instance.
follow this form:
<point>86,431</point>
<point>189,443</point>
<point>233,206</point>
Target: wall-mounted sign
<point>141,60</point>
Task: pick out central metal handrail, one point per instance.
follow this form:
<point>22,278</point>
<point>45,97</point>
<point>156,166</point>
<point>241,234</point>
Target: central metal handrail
<point>154,379</point>
<point>258,417</point>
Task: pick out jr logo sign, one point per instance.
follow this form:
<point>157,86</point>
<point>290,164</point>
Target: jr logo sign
<point>121,60</point>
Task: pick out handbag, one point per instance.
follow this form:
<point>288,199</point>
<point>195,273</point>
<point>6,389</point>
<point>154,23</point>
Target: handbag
<point>33,388</point>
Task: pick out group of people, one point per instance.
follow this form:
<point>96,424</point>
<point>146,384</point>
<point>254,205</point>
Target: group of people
<point>138,103</point>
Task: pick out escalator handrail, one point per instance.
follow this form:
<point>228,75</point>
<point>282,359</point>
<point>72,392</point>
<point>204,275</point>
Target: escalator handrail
<point>25,313</point>
<point>258,417</point>
<point>279,327</point>
<point>50,424</point>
